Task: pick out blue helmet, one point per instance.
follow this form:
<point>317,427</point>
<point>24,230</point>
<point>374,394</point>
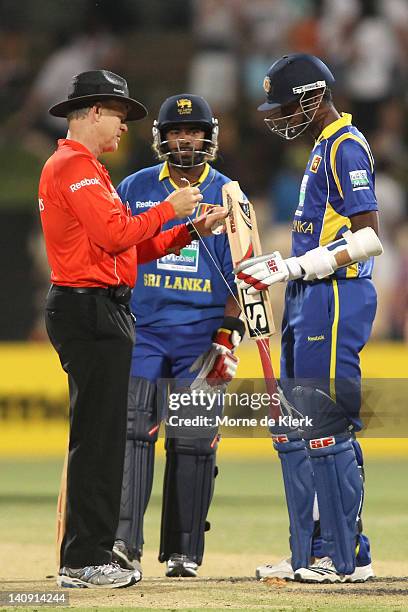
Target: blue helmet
<point>187,109</point>
<point>292,78</point>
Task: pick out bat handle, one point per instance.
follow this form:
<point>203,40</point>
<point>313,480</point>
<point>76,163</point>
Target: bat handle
<point>270,380</point>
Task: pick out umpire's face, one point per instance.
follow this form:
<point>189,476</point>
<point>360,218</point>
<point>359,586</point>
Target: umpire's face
<point>111,124</point>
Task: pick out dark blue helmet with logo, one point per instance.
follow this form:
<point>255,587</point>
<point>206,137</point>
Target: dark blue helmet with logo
<point>295,77</point>
<point>186,109</point>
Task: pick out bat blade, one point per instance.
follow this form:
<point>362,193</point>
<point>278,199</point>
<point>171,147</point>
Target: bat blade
<point>243,237</point>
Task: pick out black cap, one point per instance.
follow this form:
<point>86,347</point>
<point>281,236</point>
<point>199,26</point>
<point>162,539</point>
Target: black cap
<point>96,85</point>
<point>292,75</point>
<point>185,108</point>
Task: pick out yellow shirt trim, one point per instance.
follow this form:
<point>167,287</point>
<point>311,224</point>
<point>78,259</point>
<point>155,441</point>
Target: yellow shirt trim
<point>333,354</point>
<point>332,218</point>
<point>165,173</point>
<point>352,271</point>
<point>333,153</point>
<point>335,126</point>
<point>332,222</point>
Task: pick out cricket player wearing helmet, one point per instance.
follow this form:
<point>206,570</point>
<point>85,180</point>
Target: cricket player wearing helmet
<point>187,329</point>
<point>330,306</point>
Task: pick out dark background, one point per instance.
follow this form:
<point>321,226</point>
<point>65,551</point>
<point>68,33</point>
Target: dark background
<point>220,49</point>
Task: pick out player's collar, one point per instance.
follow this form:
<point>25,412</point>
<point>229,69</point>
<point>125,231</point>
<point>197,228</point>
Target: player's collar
<point>165,174</point>
<point>335,126</point>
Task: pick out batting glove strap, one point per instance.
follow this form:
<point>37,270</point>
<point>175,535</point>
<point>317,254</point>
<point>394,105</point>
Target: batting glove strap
<point>317,263</point>
<point>294,268</point>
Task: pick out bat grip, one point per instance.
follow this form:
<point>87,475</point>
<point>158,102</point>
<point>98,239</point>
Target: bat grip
<point>270,380</point>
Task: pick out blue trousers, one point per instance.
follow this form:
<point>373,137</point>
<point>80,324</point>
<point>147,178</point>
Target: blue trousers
<point>169,352</point>
<point>325,326</point>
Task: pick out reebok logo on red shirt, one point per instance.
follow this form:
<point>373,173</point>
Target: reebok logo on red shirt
<point>83,183</point>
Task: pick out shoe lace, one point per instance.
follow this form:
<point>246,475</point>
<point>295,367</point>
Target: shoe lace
<point>110,568</point>
<point>324,563</point>
<point>106,569</point>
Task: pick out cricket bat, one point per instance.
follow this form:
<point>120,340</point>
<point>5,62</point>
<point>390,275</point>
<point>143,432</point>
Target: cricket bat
<point>256,310</point>
<point>61,512</point>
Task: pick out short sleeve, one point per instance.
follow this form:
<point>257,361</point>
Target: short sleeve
<point>353,170</point>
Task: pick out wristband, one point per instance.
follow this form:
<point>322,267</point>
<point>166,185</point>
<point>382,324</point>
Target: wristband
<point>192,231</point>
<point>229,325</point>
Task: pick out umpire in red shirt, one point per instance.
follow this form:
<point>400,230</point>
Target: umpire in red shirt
<point>91,241</point>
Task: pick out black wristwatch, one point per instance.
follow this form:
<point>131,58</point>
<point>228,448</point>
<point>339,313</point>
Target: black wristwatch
<point>192,231</point>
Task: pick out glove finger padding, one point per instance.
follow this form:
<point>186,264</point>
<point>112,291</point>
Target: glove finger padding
<point>261,272</point>
<point>207,361</point>
<point>223,370</point>
<point>261,266</point>
<point>251,261</point>
<point>267,270</point>
<point>218,365</point>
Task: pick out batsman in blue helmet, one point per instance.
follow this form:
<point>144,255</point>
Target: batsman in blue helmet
<point>187,330</point>
<point>330,305</point>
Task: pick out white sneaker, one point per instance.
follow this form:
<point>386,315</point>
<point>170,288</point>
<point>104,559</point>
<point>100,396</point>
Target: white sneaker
<point>180,566</point>
<point>110,576</point>
<point>360,574</point>
<point>283,569</point>
<point>323,571</point>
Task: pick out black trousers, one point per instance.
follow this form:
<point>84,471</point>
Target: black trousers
<point>93,336</point>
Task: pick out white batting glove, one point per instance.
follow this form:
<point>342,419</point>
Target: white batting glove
<point>258,273</point>
<point>218,366</point>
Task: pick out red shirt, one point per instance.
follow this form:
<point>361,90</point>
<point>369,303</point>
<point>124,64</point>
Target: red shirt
<point>90,235</point>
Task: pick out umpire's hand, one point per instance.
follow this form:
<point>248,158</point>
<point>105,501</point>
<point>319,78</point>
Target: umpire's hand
<point>184,201</point>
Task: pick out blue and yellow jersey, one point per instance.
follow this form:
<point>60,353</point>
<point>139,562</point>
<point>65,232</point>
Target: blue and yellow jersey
<point>338,183</point>
<point>182,288</point>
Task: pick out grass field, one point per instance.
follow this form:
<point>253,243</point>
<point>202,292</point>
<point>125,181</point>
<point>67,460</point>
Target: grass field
<point>249,527</point>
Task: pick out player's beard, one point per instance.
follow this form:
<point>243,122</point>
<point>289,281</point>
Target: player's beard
<point>186,158</point>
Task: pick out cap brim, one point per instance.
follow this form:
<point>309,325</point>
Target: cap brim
<point>266,106</point>
<point>136,109</point>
